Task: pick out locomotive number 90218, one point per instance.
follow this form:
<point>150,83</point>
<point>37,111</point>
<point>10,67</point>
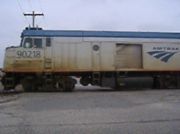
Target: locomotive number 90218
<point>29,54</point>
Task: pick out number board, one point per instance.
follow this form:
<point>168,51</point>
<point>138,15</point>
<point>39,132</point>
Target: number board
<point>29,54</point>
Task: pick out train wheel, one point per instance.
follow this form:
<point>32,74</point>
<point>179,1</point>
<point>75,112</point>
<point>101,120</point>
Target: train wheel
<point>68,89</point>
<point>27,84</point>
<point>67,84</point>
<point>117,89</point>
<point>171,82</point>
<point>158,82</point>
<point>35,87</point>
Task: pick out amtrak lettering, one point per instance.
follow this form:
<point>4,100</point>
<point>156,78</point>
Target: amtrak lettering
<point>166,48</point>
<point>163,53</point>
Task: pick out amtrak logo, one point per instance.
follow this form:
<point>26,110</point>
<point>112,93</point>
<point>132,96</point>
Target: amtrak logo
<point>161,53</point>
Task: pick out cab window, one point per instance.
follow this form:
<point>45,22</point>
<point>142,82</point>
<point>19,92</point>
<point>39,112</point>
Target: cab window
<point>38,43</point>
<point>28,43</point>
<point>48,42</point>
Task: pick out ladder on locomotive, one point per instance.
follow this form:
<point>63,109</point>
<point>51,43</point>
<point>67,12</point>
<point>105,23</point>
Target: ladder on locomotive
<point>96,78</point>
<point>9,81</point>
<point>48,64</point>
<point>48,80</point>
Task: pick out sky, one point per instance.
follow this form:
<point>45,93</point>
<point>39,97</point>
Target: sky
<point>107,15</point>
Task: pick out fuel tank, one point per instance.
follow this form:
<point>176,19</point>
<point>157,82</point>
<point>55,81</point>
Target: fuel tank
<point>135,82</point>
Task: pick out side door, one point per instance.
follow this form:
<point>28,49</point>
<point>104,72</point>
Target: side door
<point>128,56</point>
<point>48,62</point>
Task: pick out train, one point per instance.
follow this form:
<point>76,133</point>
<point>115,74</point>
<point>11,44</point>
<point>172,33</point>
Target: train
<point>46,59</point>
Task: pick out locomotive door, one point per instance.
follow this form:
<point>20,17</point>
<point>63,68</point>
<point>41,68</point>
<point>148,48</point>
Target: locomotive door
<point>128,56</point>
<point>95,57</point>
<point>48,54</point>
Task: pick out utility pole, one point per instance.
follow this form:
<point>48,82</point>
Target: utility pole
<point>33,16</point>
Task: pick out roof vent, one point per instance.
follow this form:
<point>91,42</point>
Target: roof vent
<point>31,28</point>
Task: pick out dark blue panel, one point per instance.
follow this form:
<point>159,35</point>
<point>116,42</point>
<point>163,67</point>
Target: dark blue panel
<point>110,34</point>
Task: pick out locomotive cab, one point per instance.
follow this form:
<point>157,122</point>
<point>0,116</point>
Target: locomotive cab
<point>27,57</point>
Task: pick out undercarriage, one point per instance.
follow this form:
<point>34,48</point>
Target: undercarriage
<point>32,82</point>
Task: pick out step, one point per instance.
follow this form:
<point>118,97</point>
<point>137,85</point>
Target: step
<point>48,67</point>
<point>48,80</point>
<point>9,85</point>
<point>9,79</point>
<point>48,61</point>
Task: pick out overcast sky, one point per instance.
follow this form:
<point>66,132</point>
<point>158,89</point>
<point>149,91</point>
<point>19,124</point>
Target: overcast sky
<point>113,15</point>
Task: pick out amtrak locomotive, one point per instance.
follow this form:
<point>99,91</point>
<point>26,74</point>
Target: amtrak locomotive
<point>47,58</point>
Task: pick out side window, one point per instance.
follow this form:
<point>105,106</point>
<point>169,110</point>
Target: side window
<point>38,43</point>
<point>28,43</point>
<point>48,42</point>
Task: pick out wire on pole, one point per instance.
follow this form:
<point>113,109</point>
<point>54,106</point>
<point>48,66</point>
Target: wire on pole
<point>42,11</point>
<point>22,11</point>
<point>30,5</point>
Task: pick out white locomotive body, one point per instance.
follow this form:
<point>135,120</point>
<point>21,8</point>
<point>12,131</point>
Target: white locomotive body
<point>103,58</point>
